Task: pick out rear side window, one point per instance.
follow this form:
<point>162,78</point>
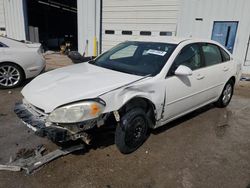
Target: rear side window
<point>225,55</point>
<point>2,45</point>
<point>212,54</point>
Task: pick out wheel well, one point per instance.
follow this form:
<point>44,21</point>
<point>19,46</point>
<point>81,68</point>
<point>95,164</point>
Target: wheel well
<point>142,103</point>
<point>233,79</point>
<point>23,72</point>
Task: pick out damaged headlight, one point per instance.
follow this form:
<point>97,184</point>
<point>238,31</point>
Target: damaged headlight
<point>76,112</point>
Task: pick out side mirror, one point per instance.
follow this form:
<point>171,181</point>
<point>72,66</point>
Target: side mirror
<point>183,70</point>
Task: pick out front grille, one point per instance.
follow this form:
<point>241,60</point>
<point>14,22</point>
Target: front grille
<point>32,120</point>
<point>35,110</point>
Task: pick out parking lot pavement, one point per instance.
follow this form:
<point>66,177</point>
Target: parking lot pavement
<point>207,148</point>
<point>56,60</point>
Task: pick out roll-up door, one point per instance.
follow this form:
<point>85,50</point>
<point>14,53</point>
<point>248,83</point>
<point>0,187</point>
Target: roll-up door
<point>126,19</point>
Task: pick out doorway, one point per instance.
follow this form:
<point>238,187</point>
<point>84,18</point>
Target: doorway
<point>225,32</point>
<point>52,23</point>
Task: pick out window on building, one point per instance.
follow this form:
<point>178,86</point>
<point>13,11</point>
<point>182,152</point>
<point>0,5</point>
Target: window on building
<point>165,33</point>
<point>109,32</point>
<point>212,54</point>
<point>148,33</point>
<point>127,32</point>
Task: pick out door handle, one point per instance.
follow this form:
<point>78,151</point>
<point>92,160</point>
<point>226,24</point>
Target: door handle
<point>225,69</point>
<point>200,77</point>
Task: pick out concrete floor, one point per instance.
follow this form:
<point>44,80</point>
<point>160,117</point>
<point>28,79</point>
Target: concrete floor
<point>207,148</point>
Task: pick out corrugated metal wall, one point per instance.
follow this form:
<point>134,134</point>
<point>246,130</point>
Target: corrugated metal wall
<point>12,18</point>
<point>136,16</point>
<point>2,19</point>
<point>88,15</point>
<point>214,10</point>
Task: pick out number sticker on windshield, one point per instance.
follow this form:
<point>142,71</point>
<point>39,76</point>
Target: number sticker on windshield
<point>156,52</point>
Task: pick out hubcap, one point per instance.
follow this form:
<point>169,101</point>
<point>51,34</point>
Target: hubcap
<point>9,76</point>
<point>138,132</point>
<point>227,93</point>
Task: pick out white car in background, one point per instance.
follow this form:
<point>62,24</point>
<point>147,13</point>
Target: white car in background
<point>19,61</point>
<point>140,84</point>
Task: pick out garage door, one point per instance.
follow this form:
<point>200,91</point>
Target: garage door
<point>127,19</point>
<point>2,19</point>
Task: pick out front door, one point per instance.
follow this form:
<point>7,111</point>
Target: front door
<point>225,34</point>
<point>184,93</point>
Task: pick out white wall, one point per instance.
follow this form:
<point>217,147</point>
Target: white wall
<point>13,18</point>
<point>216,10</point>
<point>88,15</point>
<point>2,18</point>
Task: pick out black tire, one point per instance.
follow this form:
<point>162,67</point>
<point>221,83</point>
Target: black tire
<point>132,131</point>
<point>226,95</point>
<point>18,71</point>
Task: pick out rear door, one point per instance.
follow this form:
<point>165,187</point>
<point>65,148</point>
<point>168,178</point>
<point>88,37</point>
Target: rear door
<point>218,68</point>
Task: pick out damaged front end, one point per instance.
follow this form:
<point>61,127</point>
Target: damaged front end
<point>37,120</point>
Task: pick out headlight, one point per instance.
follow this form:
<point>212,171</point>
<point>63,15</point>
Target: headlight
<point>76,112</point>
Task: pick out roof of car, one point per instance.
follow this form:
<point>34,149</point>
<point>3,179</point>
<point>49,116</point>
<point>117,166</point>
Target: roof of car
<point>170,39</point>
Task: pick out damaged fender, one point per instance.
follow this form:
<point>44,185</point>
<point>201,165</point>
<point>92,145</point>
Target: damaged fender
<point>149,89</point>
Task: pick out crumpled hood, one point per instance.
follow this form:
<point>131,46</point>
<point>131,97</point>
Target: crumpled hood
<point>73,83</point>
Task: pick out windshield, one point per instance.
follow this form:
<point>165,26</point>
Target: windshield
<point>139,58</point>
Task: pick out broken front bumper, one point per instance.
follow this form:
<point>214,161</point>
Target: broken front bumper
<point>36,120</point>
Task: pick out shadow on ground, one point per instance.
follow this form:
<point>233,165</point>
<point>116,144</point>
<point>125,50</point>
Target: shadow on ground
<point>104,137</point>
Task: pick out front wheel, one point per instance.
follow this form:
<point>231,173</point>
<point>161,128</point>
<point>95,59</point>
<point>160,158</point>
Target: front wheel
<point>226,95</point>
<point>132,131</point>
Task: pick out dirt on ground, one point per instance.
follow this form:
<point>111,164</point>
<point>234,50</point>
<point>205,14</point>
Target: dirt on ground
<point>207,148</point>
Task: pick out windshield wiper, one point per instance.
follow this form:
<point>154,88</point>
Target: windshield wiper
<point>92,61</point>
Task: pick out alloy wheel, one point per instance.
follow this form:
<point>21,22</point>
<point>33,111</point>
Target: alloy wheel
<point>9,75</point>
<point>227,94</point>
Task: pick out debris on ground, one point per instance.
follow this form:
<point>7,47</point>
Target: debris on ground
<point>32,159</point>
<point>76,57</point>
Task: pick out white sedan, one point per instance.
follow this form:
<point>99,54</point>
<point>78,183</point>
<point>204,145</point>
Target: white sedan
<point>140,84</point>
<point>19,61</point>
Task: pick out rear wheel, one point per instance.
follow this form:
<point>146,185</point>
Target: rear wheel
<point>226,95</point>
<point>132,131</point>
<point>11,75</point>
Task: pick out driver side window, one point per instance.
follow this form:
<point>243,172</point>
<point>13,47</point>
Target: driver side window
<point>189,56</point>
